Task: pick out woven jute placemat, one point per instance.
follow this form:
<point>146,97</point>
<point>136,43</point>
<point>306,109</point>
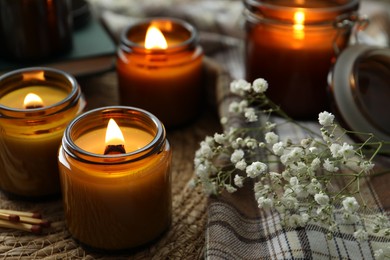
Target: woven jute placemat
<point>184,240</point>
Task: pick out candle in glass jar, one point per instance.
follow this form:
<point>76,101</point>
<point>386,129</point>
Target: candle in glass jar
<point>161,71</point>
<point>32,129</point>
<point>291,44</point>
<point>116,192</point>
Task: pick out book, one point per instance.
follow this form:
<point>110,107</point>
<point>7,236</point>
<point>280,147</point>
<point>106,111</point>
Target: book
<point>93,52</point>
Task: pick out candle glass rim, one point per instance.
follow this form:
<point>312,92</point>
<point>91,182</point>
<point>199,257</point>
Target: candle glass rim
<point>258,10</point>
<point>16,76</point>
<point>131,46</point>
<point>101,116</point>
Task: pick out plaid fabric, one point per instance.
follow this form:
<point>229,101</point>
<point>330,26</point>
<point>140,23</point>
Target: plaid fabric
<point>238,229</point>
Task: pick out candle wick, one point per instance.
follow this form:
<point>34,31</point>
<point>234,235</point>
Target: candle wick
<point>34,106</point>
<point>114,149</point>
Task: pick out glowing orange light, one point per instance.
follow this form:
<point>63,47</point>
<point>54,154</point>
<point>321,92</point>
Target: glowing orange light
<point>32,101</point>
<point>299,20</point>
<point>114,134</point>
<point>155,39</point>
<point>40,75</point>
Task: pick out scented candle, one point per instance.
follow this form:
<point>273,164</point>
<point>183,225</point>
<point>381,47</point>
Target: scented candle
<point>116,181</point>
<point>31,130</point>
<point>292,45</point>
<point>161,71</point>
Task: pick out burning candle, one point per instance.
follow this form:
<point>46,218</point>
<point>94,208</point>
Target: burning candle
<point>159,69</point>
<point>36,104</point>
<point>292,45</point>
<point>115,174</point>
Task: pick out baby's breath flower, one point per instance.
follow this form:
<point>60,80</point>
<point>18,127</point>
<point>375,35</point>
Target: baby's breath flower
<point>265,203</point>
<point>294,155</point>
<point>260,85</point>
<point>250,114</point>
<point>255,169</point>
<point>223,120</point>
<point>295,221</point>
<point>329,166</point>
<point>350,204</point>
<point>341,151</point>
<point>325,118</point>
<point>315,164</point>
<point>321,199</point>
<point>278,148</point>
<point>269,126</point>
<point>239,86</point>
<point>271,138</point>
<point>219,138</point>
<point>234,107</point>
<point>251,143</point>
<point>205,150</point>
<point>237,155</point>
<point>275,177</point>
<point>289,202</point>
<point>241,165</point>
<point>230,188</point>
<point>239,181</point>
<point>367,166</point>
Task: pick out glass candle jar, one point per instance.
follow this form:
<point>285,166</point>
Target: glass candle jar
<point>292,45</point>
<point>35,29</point>
<point>166,79</point>
<point>31,131</point>
<point>119,200</point>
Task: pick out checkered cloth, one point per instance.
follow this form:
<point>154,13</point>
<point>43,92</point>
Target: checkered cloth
<point>238,229</point>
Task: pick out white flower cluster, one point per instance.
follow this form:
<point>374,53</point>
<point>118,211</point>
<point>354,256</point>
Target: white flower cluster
<point>301,191</point>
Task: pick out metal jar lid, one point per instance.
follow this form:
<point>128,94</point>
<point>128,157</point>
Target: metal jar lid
<point>360,84</point>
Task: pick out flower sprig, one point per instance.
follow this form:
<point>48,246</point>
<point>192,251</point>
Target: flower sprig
<point>299,179</point>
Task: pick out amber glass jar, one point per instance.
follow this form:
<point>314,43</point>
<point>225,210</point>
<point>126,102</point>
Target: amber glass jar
<point>166,82</point>
<point>116,201</point>
<point>292,45</point>
<point>35,29</point>
<point>30,136</point>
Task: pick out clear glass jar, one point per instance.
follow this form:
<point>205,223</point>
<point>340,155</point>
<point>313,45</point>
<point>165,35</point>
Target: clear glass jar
<point>292,45</point>
<point>116,201</point>
<point>166,82</point>
<point>30,137</point>
<point>35,29</point>
<point>359,84</point>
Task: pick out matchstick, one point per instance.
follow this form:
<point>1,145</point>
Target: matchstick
<point>21,213</point>
<point>21,226</point>
<point>35,221</point>
<point>10,217</point>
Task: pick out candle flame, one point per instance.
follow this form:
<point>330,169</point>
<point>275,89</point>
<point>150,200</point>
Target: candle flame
<point>155,39</point>
<point>40,75</point>
<point>114,134</point>
<point>32,101</point>
<point>299,20</point>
